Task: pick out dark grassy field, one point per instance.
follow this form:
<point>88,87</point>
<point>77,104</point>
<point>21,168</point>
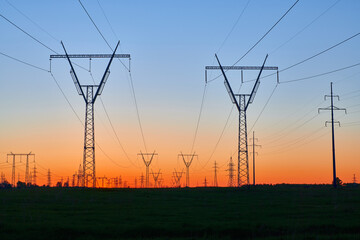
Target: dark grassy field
<point>264,212</point>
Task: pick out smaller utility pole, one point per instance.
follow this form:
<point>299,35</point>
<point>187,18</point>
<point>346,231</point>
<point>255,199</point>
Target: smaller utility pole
<point>215,175</point>
<point>147,158</point>
<point>332,108</point>
<point>187,158</point>
<point>254,153</point>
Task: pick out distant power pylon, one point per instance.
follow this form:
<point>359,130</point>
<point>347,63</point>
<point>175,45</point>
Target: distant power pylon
<point>142,180</point>
<point>34,174</point>
<point>147,158</point>
<point>354,179</point>
<point>14,155</point>
<point>205,182</point>
<point>242,103</point>
<point>135,182</point>
<point>254,153</point>
<point>102,180</point>
<point>27,175</point>
<point>156,177</point>
<point>332,108</point>
<point>188,158</point>
<point>49,178</point>
<point>231,173</point>
<point>177,177</point>
<point>215,174</point>
<point>92,92</point>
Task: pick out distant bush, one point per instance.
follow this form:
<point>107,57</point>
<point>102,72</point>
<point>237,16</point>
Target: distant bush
<point>5,185</point>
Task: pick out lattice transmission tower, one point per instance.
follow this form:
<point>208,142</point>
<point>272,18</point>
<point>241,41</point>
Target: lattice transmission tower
<point>215,174</point>
<point>231,174</point>
<point>27,174</point>
<point>147,159</point>
<point>89,94</point>
<point>187,159</point>
<point>241,102</point>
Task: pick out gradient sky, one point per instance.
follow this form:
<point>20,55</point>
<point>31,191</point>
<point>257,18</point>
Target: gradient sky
<point>170,43</point>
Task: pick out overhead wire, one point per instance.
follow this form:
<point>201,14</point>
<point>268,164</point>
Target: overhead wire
<point>23,62</point>
<point>112,127</point>
<point>266,103</point>
<point>130,75</point>
<point>33,22</point>
<point>304,28</point>
<point>247,52</point>
<point>34,38</point>
<point>233,27</point>
<point>321,74</point>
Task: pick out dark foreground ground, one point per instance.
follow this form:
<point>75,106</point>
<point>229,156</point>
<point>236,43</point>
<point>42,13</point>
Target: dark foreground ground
<point>264,212</point>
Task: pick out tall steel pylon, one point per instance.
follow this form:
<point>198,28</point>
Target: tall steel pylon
<point>188,158</point>
<point>332,108</point>
<point>242,102</point>
<point>88,178</point>
<point>147,158</point>
<point>231,173</point>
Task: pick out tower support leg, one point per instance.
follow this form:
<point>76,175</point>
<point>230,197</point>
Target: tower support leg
<point>89,176</point>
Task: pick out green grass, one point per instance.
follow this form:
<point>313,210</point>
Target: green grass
<point>264,212</point>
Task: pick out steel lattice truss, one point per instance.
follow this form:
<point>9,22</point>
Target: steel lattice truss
<point>89,176</point>
<point>243,163</point>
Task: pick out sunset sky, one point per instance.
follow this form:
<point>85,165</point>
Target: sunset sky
<point>170,43</point>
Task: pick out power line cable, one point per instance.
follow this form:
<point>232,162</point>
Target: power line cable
<point>233,27</point>
<point>309,58</point>
<point>246,53</point>
<point>324,51</point>
<point>35,39</point>
<point>112,126</point>
<point>321,74</point>
<point>23,62</point>
<point>262,110</point>
<point>304,28</point>
<point>130,75</point>
<point>33,22</point>
<point>199,117</point>
<point>266,33</point>
<point>32,37</point>
<point>112,29</point>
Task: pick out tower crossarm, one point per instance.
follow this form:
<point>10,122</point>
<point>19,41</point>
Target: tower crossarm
<point>90,56</point>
